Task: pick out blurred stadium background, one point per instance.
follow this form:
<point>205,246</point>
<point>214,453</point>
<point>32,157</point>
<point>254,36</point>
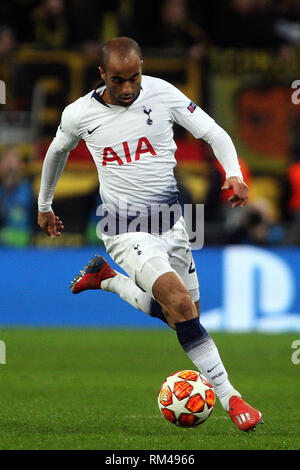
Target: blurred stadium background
<point>237,59</point>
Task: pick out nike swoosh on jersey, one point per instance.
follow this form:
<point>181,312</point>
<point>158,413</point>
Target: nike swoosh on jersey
<point>90,132</point>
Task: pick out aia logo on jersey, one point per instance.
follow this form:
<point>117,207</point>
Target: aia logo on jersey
<point>143,146</point>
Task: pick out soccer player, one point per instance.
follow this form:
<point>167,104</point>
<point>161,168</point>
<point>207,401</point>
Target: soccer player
<point>127,125</point>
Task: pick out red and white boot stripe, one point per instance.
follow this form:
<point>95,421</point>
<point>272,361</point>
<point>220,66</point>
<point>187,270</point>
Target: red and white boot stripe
<point>243,415</point>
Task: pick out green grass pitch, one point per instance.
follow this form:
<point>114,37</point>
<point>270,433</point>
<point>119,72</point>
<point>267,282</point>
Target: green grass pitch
<point>97,389</point>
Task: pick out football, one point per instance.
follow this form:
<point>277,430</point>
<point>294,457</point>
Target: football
<point>186,398</point>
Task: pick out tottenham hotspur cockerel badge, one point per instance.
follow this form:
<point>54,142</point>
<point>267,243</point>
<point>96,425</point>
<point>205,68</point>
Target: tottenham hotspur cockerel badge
<point>149,120</point>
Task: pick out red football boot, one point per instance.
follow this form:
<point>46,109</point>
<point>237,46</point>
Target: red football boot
<point>243,415</point>
<point>92,275</point>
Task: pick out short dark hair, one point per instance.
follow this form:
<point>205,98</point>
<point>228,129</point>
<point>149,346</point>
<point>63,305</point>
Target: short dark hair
<point>122,46</point>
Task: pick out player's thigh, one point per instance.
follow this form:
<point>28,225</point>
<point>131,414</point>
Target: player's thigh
<point>181,259</point>
<point>173,296</point>
<point>134,253</point>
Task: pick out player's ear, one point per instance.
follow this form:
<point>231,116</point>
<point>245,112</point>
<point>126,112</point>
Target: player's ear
<point>102,72</point>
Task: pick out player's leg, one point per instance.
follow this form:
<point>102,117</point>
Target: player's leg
<point>98,274</point>
<point>131,252</point>
<point>182,313</point>
<point>172,294</point>
<point>193,337</point>
<point>180,306</point>
<point>138,298</point>
<point>201,349</point>
<point>129,292</point>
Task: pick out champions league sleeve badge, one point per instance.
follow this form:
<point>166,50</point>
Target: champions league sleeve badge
<point>191,107</point>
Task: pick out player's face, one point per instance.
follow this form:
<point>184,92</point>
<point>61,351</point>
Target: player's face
<point>122,78</point>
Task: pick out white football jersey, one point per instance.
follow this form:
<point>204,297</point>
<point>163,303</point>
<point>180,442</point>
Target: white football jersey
<point>133,147</point>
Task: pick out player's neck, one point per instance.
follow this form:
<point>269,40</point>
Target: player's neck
<point>106,97</point>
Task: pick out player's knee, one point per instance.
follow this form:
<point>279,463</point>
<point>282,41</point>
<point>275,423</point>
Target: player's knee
<point>181,305</point>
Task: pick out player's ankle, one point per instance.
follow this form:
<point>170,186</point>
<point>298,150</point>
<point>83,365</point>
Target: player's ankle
<point>112,284</point>
<point>225,395</point>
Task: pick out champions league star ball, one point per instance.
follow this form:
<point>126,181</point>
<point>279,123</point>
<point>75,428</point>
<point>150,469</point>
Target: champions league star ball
<point>186,399</point>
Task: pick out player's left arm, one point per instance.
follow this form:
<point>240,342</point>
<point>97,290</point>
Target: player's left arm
<point>202,126</point>
<point>226,154</point>
<point>240,191</point>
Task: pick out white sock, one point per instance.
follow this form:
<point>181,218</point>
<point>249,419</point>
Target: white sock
<point>128,291</point>
<point>206,357</point>
<point>201,349</point>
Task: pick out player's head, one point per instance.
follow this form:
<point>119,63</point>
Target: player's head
<point>121,69</point>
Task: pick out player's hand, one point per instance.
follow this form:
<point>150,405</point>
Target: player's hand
<point>240,191</point>
<point>50,223</point>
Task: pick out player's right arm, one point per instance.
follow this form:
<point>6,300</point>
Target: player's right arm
<point>56,157</point>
